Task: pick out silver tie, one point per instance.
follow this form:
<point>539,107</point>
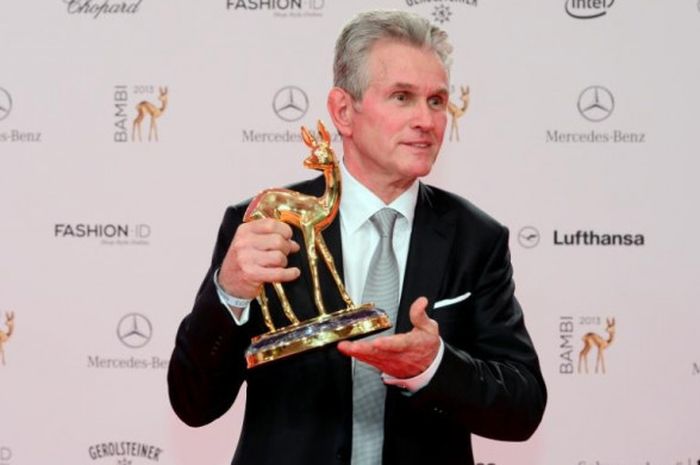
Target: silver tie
<point>368,390</point>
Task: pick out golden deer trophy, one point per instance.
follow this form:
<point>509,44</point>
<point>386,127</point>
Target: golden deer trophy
<point>457,112</point>
<point>153,111</point>
<point>593,339</point>
<point>311,215</point>
<point>5,335</point>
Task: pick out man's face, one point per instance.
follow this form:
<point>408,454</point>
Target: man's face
<point>398,126</point>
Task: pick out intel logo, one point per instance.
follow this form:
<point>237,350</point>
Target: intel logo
<point>587,9</point>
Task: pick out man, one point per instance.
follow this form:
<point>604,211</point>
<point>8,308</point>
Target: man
<point>461,360</point>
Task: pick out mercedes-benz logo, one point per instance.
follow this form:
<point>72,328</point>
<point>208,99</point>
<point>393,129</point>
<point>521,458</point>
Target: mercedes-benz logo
<point>528,237</point>
<point>290,103</point>
<point>5,103</point>
<point>596,103</point>
<point>134,330</point>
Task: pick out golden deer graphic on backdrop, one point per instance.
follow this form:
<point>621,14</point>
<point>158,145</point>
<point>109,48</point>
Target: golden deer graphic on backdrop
<point>592,339</point>
<point>457,112</point>
<point>154,112</point>
<point>310,214</point>
<point>5,335</point>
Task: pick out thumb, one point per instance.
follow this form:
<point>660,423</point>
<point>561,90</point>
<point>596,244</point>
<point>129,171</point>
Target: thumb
<point>419,317</point>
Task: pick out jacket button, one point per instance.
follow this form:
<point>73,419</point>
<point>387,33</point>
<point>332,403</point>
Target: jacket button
<point>343,455</point>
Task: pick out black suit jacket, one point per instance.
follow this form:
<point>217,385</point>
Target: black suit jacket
<point>299,410</point>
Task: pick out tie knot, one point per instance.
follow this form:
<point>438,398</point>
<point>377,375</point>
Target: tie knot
<point>384,220</point>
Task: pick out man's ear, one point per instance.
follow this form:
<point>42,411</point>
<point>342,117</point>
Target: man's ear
<point>341,110</point>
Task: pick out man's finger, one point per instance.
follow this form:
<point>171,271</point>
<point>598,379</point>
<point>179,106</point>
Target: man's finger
<point>419,317</point>
<point>270,226</point>
<point>277,275</point>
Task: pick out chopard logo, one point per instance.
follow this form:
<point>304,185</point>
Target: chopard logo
<point>104,7</point>
<point>587,9</point>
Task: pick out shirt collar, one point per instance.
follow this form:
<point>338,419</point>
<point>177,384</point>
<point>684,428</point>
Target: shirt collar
<point>358,204</point>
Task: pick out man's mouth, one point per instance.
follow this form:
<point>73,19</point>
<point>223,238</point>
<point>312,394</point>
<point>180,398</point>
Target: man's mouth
<point>419,144</point>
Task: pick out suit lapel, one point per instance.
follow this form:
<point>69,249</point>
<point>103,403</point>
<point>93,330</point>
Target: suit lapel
<point>428,255</point>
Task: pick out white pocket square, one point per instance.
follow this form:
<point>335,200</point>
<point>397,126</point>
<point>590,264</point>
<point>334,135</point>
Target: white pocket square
<point>454,300</point>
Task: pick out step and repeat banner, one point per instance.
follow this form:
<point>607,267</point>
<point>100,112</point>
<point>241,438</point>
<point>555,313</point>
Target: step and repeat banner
<point>127,127</point>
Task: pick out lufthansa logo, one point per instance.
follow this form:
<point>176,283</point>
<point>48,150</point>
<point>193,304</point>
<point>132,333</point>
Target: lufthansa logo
<point>596,103</point>
<point>528,237</point>
<point>5,104</point>
<point>290,103</point>
<point>134,330</point>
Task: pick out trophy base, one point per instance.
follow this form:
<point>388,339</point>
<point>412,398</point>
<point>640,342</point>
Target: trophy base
<point>317,332</point>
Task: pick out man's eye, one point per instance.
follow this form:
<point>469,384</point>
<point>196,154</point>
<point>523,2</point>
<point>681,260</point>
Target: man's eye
<point>436,102</point>
<point>400,96</point>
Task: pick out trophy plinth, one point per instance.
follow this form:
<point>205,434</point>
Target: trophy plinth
<point>316,332</point>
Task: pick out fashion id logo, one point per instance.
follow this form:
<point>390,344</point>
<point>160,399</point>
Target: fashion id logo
<point>279,8</point>
<point>106,233</point>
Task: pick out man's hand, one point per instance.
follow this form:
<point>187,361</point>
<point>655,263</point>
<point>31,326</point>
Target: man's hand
<point>257,255</point>
<point>400,355</point>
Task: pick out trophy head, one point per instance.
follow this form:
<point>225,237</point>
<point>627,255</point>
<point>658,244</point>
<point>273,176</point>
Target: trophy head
<point>322,155</point>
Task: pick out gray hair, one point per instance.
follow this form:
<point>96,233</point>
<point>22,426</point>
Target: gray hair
<point>364,30</point>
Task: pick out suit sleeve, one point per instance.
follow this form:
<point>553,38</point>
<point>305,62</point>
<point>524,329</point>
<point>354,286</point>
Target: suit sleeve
<point>490,382</point>
<point>207,366</point>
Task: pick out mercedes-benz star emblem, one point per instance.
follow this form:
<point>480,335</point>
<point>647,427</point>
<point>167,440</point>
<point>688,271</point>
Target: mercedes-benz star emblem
<point>134,330</point>
<point>529,237</point>
<point>290,103</point>
<point>5,104</point>
<point>596,103</point>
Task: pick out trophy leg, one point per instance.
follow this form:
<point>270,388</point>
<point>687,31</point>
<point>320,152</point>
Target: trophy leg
<point>310,241</point>
<point>262,300</point>
<point>328,258</point>
<point>286,308</point>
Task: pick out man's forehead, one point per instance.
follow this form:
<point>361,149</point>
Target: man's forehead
<point>401,65</point>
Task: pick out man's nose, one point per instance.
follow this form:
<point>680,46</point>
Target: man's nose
<point>423,117</point>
